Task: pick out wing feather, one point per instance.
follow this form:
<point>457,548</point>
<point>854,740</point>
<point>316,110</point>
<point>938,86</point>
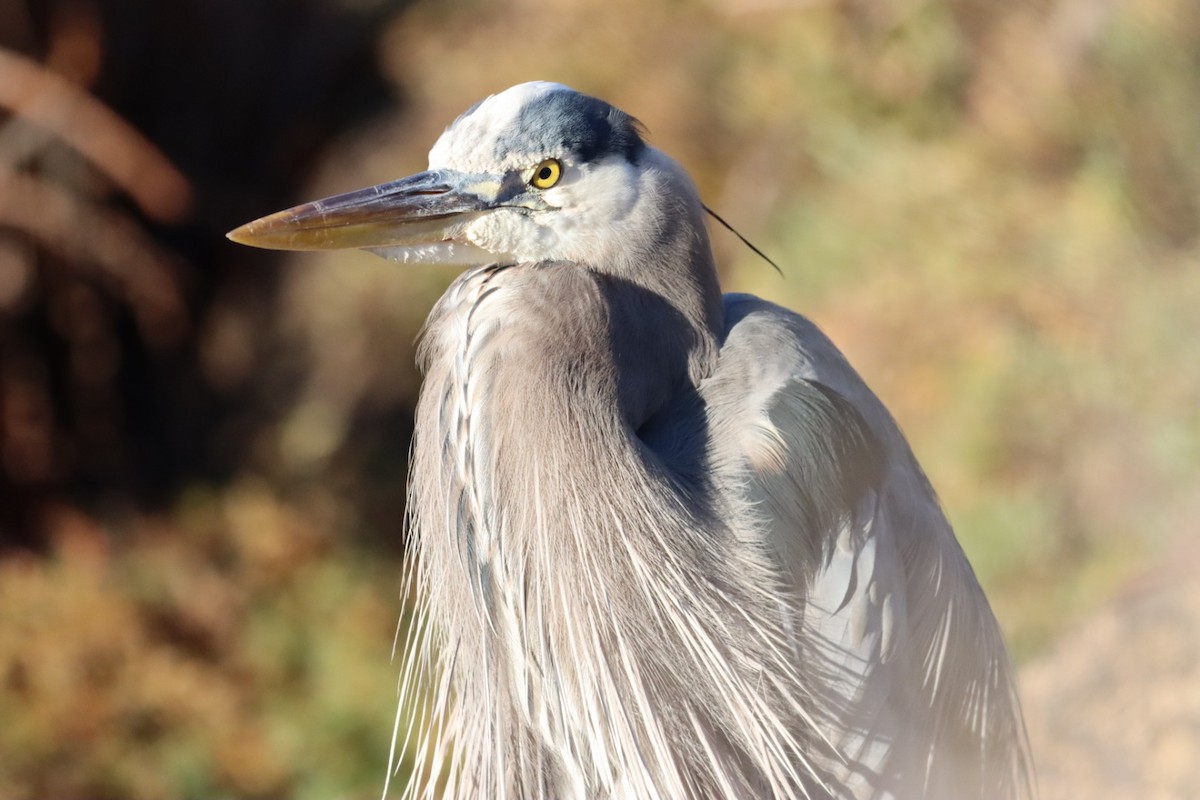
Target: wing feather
<point>910,676</point>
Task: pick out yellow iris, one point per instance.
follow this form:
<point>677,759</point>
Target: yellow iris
<point>546,174</point>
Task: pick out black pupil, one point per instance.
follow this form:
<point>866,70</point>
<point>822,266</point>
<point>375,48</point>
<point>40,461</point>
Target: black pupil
<point>544,174</point>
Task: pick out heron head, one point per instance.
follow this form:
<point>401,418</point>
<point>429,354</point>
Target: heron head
<point>537,172</point>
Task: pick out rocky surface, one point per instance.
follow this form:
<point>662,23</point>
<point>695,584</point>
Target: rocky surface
<point>1113,709</point>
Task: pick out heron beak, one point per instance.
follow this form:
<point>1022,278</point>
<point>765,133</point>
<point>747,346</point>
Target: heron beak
<point>429,208</point>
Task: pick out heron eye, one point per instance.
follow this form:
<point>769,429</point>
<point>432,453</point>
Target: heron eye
<point>546,174</point>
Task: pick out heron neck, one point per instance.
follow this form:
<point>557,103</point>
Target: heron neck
<point>548,526</point>
<point>673,258</point>
<point>536,380</point>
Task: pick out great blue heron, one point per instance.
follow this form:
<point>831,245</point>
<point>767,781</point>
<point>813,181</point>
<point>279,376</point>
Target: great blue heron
<point>668,543</point>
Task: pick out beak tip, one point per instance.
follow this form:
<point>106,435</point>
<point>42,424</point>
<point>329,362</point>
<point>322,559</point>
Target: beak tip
<point>242,234</point>
<point>260,235</point>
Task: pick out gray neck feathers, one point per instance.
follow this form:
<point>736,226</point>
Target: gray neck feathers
<point>673,261</point>
<point>526,456</point>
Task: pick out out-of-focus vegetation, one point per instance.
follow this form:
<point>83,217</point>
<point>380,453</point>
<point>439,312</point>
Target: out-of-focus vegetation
<point>993,207</point>
<point>231,650</point>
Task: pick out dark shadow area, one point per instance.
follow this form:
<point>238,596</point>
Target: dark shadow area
<point>110,392</point>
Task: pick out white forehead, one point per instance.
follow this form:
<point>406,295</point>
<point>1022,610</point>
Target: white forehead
<point>469,143</point>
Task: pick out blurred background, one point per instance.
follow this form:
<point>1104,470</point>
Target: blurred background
<point>994,208</point>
